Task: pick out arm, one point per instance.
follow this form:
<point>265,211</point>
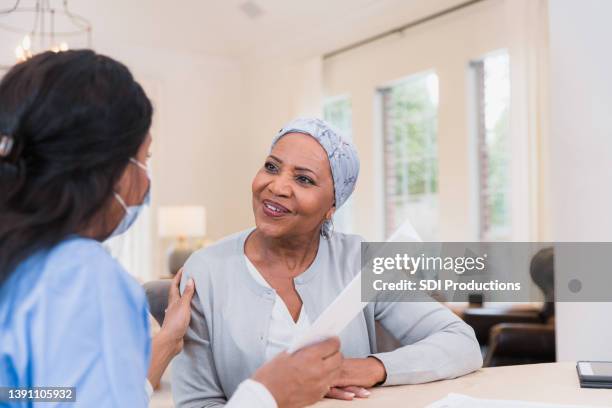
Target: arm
<point>169,341</point>
<point>251,394</point>
<point>194,386</point>
<point>436,344</point>
<point>291,380</point>
<point>295,380</point>
<point>95,326</point>
<point>194,376</point>
<point>288,380</point>
<point>163,350</point>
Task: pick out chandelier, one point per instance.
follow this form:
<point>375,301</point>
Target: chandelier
<point>40,26</point>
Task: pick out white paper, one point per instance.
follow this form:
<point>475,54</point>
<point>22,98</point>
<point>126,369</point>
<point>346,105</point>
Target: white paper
<point>348,304</point>
<point>464,401</point>
<point>335,318</point>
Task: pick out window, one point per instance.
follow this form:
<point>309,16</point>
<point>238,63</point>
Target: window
<point>410,155</point>
<point>492,79</point>
<point>337,111</point>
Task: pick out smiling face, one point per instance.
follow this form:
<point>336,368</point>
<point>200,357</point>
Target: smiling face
<point>293,193</point>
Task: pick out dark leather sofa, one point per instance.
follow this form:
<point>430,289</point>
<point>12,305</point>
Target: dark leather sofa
<point>510,336</point>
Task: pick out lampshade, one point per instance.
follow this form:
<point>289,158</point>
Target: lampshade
<point>182,220</point>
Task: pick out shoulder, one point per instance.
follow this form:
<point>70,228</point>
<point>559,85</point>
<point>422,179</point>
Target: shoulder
<point>59,269</point>
<point>221,251</point>
<point>84,258</point>
<point>344,245</point>
<point>78,254</point>
<point>344,254</point>
<point>77,274</point>
<point>84,266</point>
<point>350,240</point>
<point>217,259</point>
<point>229,246</point>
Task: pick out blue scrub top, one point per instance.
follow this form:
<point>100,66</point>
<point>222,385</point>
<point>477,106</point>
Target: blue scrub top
<point>71,316</point>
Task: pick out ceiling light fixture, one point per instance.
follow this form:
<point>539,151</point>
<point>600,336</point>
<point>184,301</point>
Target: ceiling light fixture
<point>42,27</point>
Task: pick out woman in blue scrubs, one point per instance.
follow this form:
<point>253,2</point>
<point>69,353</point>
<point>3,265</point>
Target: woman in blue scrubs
<point>74,143</point>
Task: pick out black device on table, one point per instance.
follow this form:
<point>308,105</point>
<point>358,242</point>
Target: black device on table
<point>594,374</point>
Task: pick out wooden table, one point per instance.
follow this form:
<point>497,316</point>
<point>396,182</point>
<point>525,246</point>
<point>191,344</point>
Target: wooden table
<point>552,383</point>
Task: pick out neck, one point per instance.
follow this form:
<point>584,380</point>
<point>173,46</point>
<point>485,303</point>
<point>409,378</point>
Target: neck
<point>295,253</point>
<point>102,223</point>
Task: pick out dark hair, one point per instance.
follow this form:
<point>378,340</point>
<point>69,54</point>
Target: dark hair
<point>76,118</point>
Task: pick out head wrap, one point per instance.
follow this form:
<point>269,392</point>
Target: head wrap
<point>343,159</point>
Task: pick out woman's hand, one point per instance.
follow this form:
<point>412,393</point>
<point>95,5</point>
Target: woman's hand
<point>178,312</point>
<point>169,341</point>
<point>304,377</point>
<point>355,375</point>
<point>347,393</point>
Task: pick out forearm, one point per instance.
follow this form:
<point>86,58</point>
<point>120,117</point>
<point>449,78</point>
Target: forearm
<point>163,350</point>
<point>442,355</point>
<point>252,393</point>
<point>436,344</point>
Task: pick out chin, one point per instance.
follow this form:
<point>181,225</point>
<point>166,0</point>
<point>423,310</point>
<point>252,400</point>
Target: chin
<point>271,229</point>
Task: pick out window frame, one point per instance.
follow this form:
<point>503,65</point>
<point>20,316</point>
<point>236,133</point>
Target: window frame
<point>433,154</point>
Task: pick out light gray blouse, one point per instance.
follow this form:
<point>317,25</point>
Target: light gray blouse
<point>227,336</point>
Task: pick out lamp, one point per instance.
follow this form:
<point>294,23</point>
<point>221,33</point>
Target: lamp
<point>181,223</point>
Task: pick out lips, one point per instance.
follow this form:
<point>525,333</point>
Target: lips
<point>274,209</point>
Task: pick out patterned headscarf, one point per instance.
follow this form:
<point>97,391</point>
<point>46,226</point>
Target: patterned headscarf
<point>342,156</point>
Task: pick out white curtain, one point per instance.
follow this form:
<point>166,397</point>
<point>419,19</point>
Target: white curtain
<point>527,26</point>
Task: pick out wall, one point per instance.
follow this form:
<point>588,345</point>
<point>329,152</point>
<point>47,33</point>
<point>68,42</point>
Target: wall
<point>581,152</point>
<point>216,116</point>
<point>446,45</point>
<point>274,93</point>
<point>199,145</point>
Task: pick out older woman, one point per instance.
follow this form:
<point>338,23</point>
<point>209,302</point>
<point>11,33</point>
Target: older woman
<point>258,288</point>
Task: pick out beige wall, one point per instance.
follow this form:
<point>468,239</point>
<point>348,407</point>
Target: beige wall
<point>199,145</point>
<point>445,45</point>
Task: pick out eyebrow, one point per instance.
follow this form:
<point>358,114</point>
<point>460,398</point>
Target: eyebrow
<point>296,167</point>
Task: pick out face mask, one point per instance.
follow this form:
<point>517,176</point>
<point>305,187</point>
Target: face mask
<point>132,211</point>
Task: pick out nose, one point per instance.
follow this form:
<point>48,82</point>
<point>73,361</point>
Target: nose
<point>280,186</point>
